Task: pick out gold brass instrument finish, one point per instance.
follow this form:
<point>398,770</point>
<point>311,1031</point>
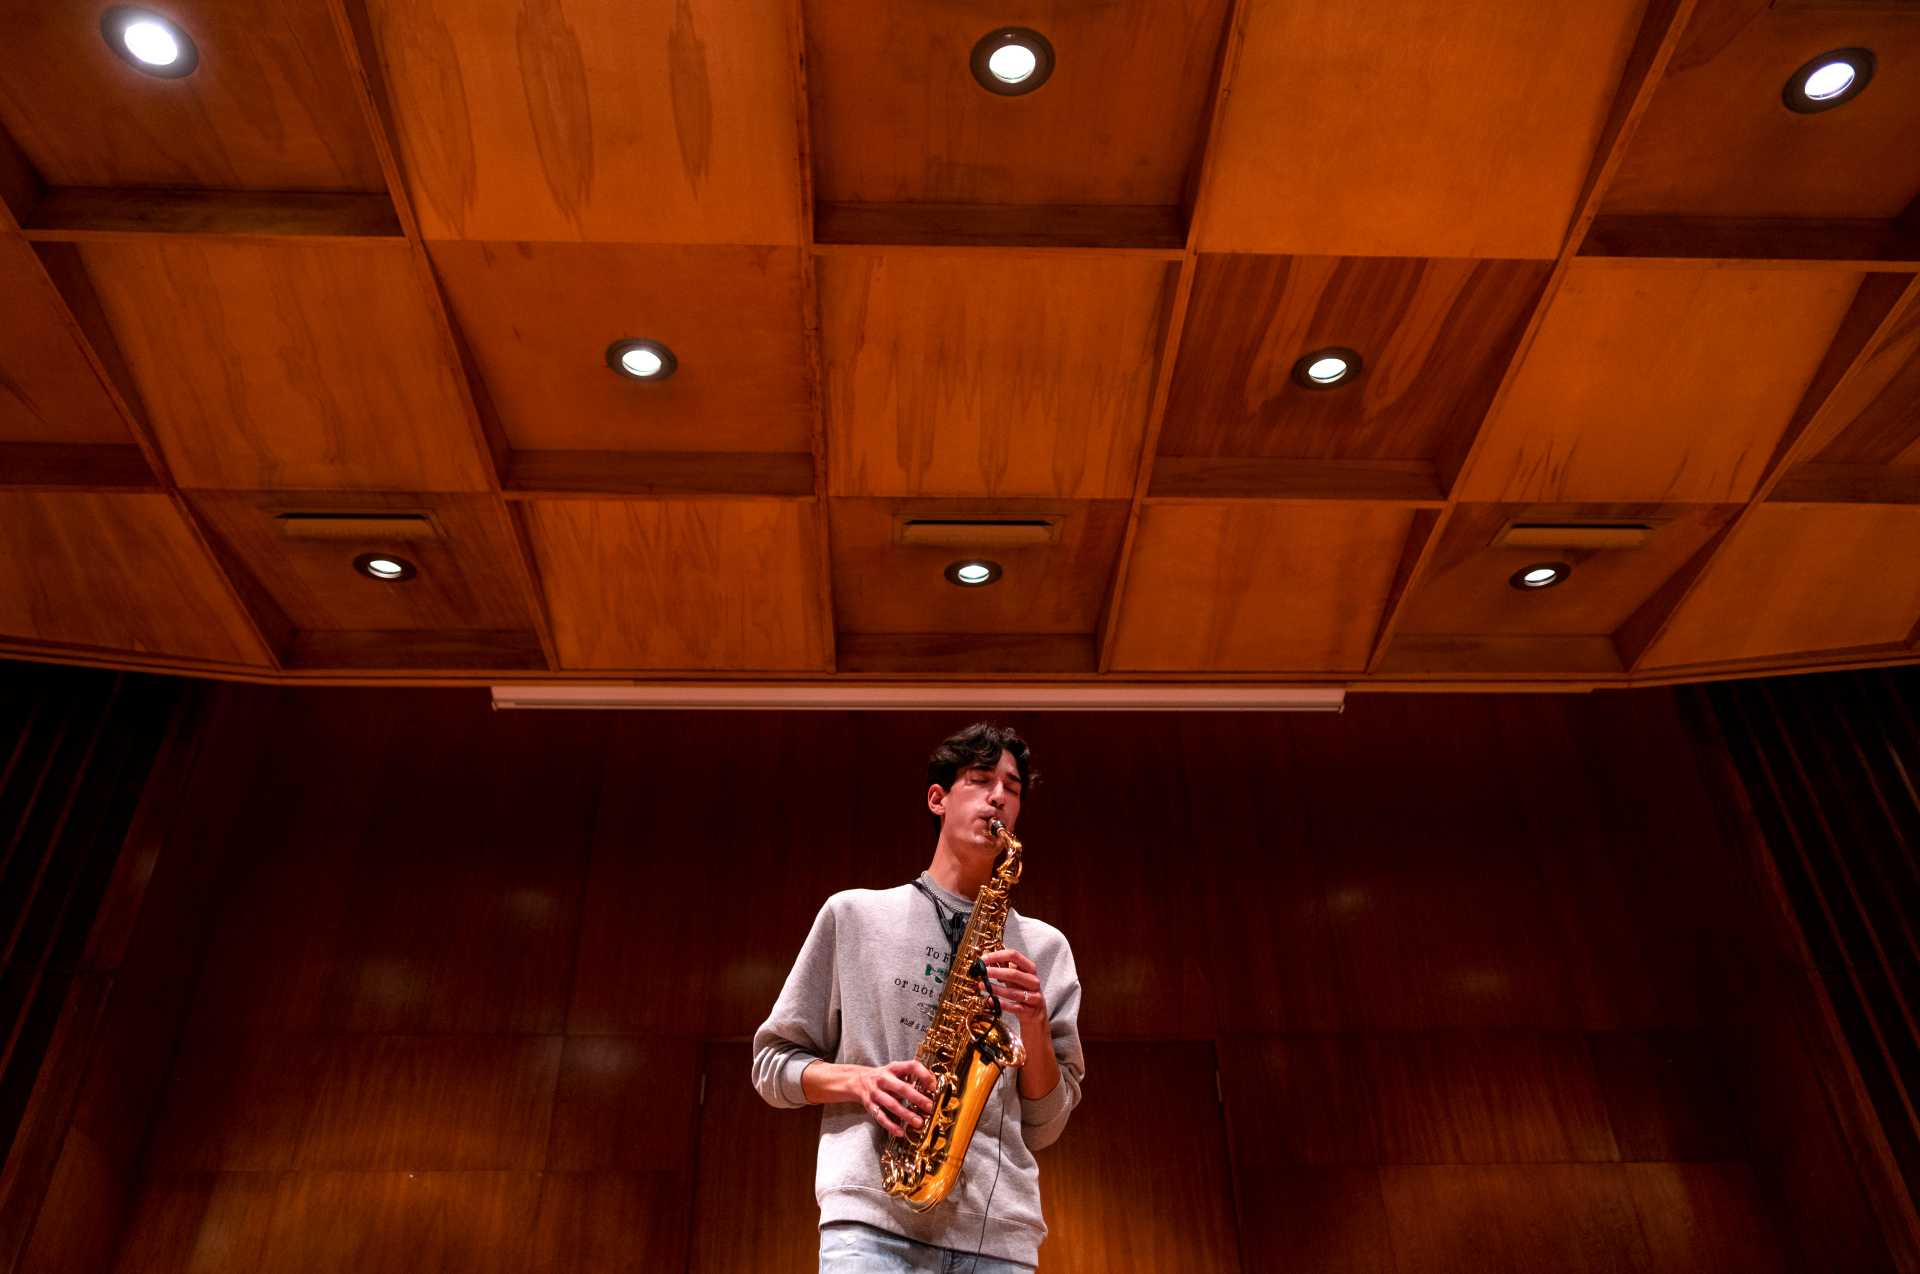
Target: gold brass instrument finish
<point>966,1048</point>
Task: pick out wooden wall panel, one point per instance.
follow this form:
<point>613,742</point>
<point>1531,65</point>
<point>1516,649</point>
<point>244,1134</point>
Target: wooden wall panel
<point>1716,141</point>
<point>270,107</point>
<point>1434,338</point>
<point>270,365</point>
<point>949,374</point>
<point>570,120</point>
<point>1426,995</point>
<point>681,583</point>
<point>1237,577</point>
<point>121,572</point>
<point>1513,1219</point>
<point>1379,131</point>
<point>1803,577</point>
<point>1658,383</point>
<point>539,317</point>
<point>897,117</point>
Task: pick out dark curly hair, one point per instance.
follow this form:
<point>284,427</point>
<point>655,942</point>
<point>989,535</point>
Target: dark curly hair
<point>979,744</point>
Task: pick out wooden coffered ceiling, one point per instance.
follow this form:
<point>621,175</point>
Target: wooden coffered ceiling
<point>349,287</point>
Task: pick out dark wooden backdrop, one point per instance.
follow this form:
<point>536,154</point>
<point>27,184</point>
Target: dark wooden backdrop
<point>1446,984</point>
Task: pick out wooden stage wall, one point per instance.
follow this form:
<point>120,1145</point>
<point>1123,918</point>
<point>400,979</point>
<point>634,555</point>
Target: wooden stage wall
<point>1446,985</point>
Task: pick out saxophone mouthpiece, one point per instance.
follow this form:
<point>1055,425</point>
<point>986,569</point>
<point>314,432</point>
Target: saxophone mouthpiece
<point>995,826</point>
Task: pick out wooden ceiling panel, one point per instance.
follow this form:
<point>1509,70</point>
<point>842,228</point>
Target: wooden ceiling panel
<point>686,584</point>
<point>539,317</point>
<point>1434,338</point>
<point>1877,416</point>
<point>462,583</point>
<point>1465,587</point>
<point>49,392</point>
<point>1658,383</point>
<point>571,119</point>
<point>271,105</point>
<point>989,374</point>
<point>1801,578</point>
<point>1403,128</point>
<point>898,118</point>
<point>121,573</point>
<point>883,586</point>
<point>288,366</point>
<point>1283,587</point>
<point>1718,140</point>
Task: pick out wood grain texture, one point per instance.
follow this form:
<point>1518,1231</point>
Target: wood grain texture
<point>287,366</point>
<point>270,107</point>
<point>69,215</point>
<point>1327,1219</point>
<point>96,467</point>
<point>1753,241</point>
<point>1481,1097</point>
<point>532,475</point>
<point>625,1104</point>
<point>562,119</point>
<point>965,652</point>
<point>1658,384</point>
<point>880,586</point>
<point>122,572</point>
<point>1237,576</point>
<point>395,1222</point>
<point>200,1223</point>
<point>463,1103</point>
<point>1149,228</point>
<point>1377,132</point>
<point>1717,140</point>
<point>539,318</point>
<point>1413,483</point>
<point>737,578</point>
<point>1434,338</point>
<point>49,392</point>
<point>1299,1099</point>
<point>1665,1100</point>
<point>1802,578</point>
<point>1466,588</point>
<point>781,1231</point>
<point>1848,484</point>
<point>898,118</point>
<point>958,375</point>
<point>1706,1218</point>
<point>1513,1219</point>
<point>1874,418</point>
<point>1171,1210</point>
<point>459,584</point>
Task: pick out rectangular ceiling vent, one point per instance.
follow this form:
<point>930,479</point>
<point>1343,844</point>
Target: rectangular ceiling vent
<point>978,530</point>
<point>356,525</point>
<point>1576,533</point>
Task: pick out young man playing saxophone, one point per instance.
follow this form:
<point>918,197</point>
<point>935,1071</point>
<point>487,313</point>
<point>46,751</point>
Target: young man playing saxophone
<point>850,1019</point>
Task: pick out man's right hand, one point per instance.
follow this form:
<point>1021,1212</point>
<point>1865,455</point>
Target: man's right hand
<point>895,1096</point>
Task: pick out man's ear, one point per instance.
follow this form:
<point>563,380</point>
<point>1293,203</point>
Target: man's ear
<point>937,799</point>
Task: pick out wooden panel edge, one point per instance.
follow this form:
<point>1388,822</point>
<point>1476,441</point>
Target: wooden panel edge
<point>80,214</point>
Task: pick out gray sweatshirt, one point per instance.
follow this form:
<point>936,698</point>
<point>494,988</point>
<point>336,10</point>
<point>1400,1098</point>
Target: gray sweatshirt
<point>862,992</point>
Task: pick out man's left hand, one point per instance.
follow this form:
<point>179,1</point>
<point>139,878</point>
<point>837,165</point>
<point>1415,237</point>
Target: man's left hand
<point>1017,982</point>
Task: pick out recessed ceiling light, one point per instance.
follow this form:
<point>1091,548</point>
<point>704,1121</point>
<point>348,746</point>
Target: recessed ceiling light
<point>975,573</point>
<point>384,566</point>
<point>641,360</point>
<point>1012,60</point>
<point>1326,368</point>
<point>1540,575</point>
<point>1830,80</point>
<point>149,42</point>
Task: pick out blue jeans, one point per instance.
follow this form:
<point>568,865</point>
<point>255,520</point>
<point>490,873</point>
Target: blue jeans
<point>847,1247</point>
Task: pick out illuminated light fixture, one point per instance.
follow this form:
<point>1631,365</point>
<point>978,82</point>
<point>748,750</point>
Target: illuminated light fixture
<point>962,697</point>
<point>973,573</point>
<point>1327,368</point>
<point>149,43</point>
<point>1830,80</point>
<point>1540,575</point>
<point>1010,61</point>
<point>384,566</point>
<point>641,360</point>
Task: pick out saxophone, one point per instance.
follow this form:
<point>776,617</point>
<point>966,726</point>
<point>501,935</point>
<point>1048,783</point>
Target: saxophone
<point>966,1047</point>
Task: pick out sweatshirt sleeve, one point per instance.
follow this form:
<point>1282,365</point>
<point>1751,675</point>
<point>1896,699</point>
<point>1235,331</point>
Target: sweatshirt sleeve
<point>1043,1121</point>
<point>804,1026</point>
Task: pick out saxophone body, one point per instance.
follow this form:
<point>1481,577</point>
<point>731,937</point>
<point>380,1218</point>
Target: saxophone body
<point>966,1047</point>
